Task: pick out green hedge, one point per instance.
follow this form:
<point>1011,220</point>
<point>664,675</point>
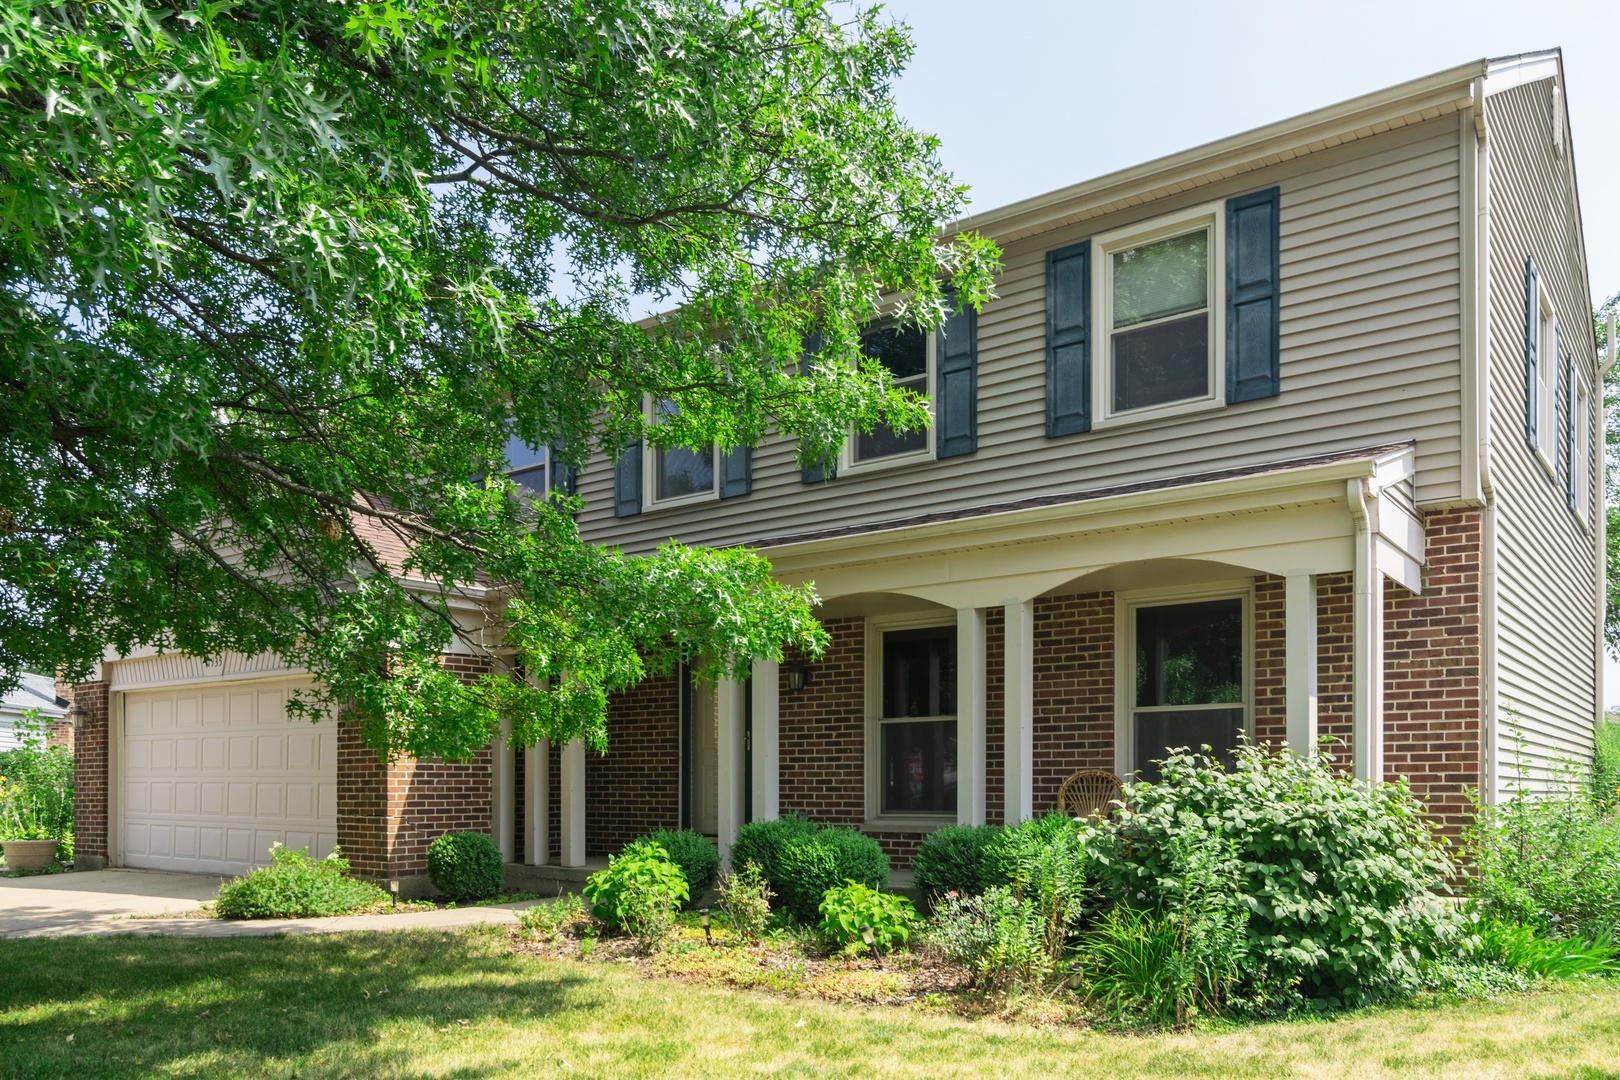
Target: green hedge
<point>295,886</point>
<point>826,859</point>
<point>953,859</point>
<point>466,866</point>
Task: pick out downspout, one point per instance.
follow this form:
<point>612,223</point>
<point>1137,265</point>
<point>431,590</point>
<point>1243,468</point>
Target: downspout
<point>1481,360</point>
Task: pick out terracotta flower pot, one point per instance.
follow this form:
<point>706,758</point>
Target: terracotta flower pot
<point>29,854</point>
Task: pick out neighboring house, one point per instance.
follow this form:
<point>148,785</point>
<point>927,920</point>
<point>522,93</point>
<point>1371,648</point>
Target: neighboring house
<point>1288,436</point>
<point>36,692</point>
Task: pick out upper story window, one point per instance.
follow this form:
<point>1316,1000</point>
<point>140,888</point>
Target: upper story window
<point>528,467</point>
<point>906,352</point>
<point>1546,392</point>
<point>1580,450</point>
<point>680,474</point>
<point>1159,299</point>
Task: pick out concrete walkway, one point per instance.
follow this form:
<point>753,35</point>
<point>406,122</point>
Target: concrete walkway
<point>115,901</point>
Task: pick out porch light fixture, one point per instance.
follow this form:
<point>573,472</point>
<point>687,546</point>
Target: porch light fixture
<point>708,935</point>
<point>871,942</point>
<point>798,675</point>
<point>76,716</point>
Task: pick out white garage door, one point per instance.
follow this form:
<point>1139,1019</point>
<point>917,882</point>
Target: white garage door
<point>213,775</point>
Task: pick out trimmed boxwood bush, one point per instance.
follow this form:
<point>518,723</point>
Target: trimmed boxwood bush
<point>761,842</point>
<point>695,854</point>
<point>952,859</point>
<point>825,859</point>
<point>466,866</point>
<point>295,886</point>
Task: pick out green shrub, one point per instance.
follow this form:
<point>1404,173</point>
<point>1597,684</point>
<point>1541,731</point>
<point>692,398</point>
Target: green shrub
<point>36,787</point>
<point>1134,966</point>
<point>1012,853</point>
<point>1523,949</point>
<point>953,859</point>
<point>761,843</point>
<point>745,897</point>
<point>810,865</point>
<point>848,907</point>
<point>638,893</point>
<point>295,886</point>
<point>1340,876</point>
<point>997,937</point>
<point>694,854</point>
<point>1606,768</point>
<point>466,866</point>
<point>1549,861</point>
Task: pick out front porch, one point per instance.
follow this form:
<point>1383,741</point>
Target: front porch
<point>977,663</point>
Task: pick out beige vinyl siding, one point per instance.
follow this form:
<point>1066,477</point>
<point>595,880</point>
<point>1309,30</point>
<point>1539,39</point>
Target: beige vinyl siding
<point>1371,340</point>
<point>1546,594</point>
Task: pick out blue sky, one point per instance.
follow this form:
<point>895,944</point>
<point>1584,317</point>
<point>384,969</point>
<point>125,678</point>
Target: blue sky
<point>1032,95</point>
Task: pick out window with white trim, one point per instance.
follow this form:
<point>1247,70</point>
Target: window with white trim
<point>680,474</point>
<point>911,737</point>
<point>1188,680</point>
<point>908,354</point>
<point>1159,293</point>
<point>1550,361</point>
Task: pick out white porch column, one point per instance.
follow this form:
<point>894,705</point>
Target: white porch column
<point>767,688</point>
<point>572,777</point>
<point>503,792</point>
<point>970,681</point>
<point>1018,710</point>
<point>1300,677</point>
<point>537,804</point>
<point>1367,711</point>
<point>731,747</point>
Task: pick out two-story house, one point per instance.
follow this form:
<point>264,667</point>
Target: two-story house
<point>1289,436</point>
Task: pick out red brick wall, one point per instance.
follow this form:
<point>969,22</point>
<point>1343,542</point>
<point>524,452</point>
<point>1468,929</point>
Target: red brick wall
<point>90,777</point>
<point>1335,661</point>
<point>822,732</point>
<point>1074,690</point>
<point>635,786</point>
<point>362,825</point>
<point>1432,654</point>
<point>995,714</point>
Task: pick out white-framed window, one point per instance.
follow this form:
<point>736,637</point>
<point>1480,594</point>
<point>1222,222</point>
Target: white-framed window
<point>911,719</point>
<point>908,354</point>
<point>1184,674</point>
<point>1159,294</point>
<point>1549,361</point>
<point>679,475</point>
<point>528,467</point>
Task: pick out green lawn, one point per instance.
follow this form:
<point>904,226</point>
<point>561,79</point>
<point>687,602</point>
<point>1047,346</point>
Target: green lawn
<point>461,1005</point>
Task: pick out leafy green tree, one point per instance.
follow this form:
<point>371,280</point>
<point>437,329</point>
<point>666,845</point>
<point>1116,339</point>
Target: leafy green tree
<point>280,280</point>
<point>1611,459</point>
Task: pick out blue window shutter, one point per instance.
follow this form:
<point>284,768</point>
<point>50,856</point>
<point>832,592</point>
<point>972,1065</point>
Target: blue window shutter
<point>1253,296</point>
<point>627,482</point>
<point>1068,342</point>
<point>957,385</point>
<point>827,470</point>
<point>1569,429</point>
<point>737,472</point>
<point>562,476</point>
<point>1532,347</point>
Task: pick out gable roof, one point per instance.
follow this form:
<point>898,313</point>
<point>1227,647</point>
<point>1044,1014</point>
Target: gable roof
<point>36,692</point>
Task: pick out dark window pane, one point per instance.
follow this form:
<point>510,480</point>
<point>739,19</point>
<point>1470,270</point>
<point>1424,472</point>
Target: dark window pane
<point>904,351</point>
<point>1190,654</point>
<point>1157,733</point>
<point>520,455</point>
<point>530,482</point>
<point>901,349</point>
<point>919,672</point>
<point>919,767</point>
<point>684,472</point>
<point>1165,362</point>
<point>1160,279</point>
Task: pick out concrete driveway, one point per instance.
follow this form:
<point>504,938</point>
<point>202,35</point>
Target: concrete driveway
<point>115,901</point>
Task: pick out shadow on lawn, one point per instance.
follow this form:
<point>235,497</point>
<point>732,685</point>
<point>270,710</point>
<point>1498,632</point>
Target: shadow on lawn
<point>142,1005</point>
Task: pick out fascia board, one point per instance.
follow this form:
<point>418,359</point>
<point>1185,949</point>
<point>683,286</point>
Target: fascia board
<point>1233,495</point>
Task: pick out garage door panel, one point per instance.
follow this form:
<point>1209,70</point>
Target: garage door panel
<point>217,802</point>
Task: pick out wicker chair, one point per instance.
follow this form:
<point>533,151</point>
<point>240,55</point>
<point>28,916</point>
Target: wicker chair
<point>1090,793</point>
